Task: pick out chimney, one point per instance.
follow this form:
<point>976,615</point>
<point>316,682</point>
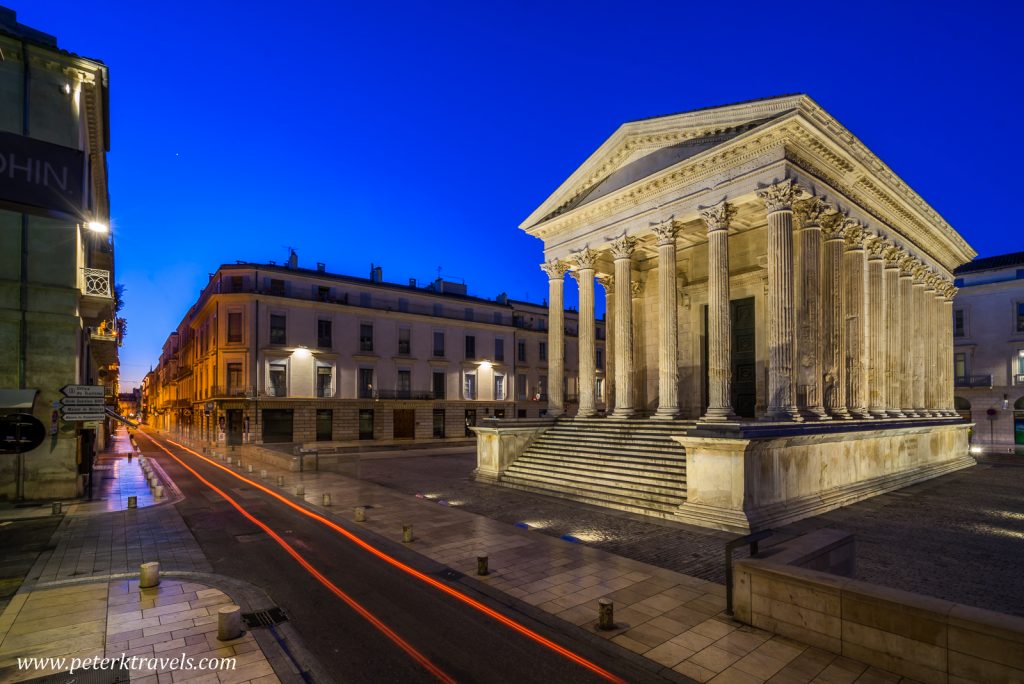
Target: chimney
<point>412,282</point>
<point>376,274</point>
<point>502,298</point>
<point>321,266</point>
<point>293,259</point>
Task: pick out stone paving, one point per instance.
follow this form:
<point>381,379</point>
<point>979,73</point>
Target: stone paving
<point>675,620</point>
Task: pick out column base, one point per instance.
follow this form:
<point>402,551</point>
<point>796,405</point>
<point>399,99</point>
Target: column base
<point>719,415</point>
<point>840,413</point>
<point>909,413</point>
<point>878,413</point>
<point>815,413</point>
<point>894,413</point>
<point>783,413</point>
<point>668,413</point>
<point>861,414</point>
<point>585,413</point>
<point>624,413</point>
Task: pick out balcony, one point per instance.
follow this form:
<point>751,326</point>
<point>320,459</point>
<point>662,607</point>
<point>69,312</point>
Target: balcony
<point>230,391</point>
<point>97,293</point>
<point>403,395</point>
<point>325,391</point>
<point>973,381</point>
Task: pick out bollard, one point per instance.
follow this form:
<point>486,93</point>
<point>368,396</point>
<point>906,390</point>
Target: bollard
<point>55,508</point>
<point>220,456</point>
<point>280,480</point>
<point>263,474</point>
<point>481,566</point>
<point>153,480</point>
<point>229,623</point>
<point>149,575</point>
<point>327,499</point>
<point>360,514</point>
<point>406,533</point>
<point>133,501</point>
<point>605,614</point>
<point>249,468</point>
<point>228,460</point>
<point>158,492</point>
<point>300,490</point>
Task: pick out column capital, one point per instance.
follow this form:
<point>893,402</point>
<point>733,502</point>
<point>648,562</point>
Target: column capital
<point>623,247</point>
<point>666,231</point>
<point>636,288</point>
<point>832,225</point>
<point>949,290</point>
<point>906,264</point>
<point>811,211</point>
<point>931,280</point>
<point>585,258</point>
<point>875,246</point>
<point>853,233</point>
<point>920,273</point>
<point>575,275</point>
<point>891,253</point>
<point>607,282</point>
<point>780,197</point>
<point>718,216</point>
<point>555,269</point>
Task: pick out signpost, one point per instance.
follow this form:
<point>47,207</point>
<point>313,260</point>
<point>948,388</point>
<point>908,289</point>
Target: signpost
<point>82,403</point>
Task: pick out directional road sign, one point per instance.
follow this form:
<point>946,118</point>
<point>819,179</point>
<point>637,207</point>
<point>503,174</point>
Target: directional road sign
<point>83,390</point>
<point>69,402</point>
<point>79,417</point>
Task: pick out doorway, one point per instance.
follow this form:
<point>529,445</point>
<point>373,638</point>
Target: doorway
<point>236,426</point>
<point>405,423</point>
<point>277,425</point>
<point>470,421</point>
<point>743,362</point>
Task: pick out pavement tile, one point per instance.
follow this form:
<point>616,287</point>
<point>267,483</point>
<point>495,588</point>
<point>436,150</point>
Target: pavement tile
<point>690,669</point>
<point>713,658</point>
<point>669,654</point>
<point>732,675</point>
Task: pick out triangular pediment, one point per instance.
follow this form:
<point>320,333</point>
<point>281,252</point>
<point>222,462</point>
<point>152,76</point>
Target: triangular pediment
<point>643,148</point>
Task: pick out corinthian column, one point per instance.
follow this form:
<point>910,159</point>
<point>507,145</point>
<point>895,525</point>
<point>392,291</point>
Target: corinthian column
<point>948,403</point>
<point>622,252</point>
<point>778,200</point>
<point>608,283</point>
<point>876,297</point>
<point>719,322</point>
<point>808,298</point>
<point>588,343</point>
<point>668,322</point>
<point>908,335</point>
<point>933,343</point>
<point>918,340</point>
<point>833,328</point>
<point>854,313</point>
<point>556,334</point>
<point>893,331</point>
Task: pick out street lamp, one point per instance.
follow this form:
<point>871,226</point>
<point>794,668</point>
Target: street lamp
<point>98,227</point>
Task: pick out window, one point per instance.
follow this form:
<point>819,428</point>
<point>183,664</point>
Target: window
<point>365,423</point>
<point>959,365</point>
<point>599,389</point>
<point>958,323</point>
<point>278,323</point>
<point>234,327</point>
<point>403,305</point>
<point>469,314</point>
<point>366,337</point>
<point>470,347</point>
<point>1020,316</point>
<point>440,385</point>
<point>521,350</point>
<point>438,344</point>
<point>278,379</point>
<point>499,387</point>
<point>542,351</point>
<point>497,318</point>
<point>323,294</point>
<point>324,419</point>
<point>521,413</point>
<point>323,382</point>
<point>277,287</point>
<point>521,387</point>
<point>236,284</point>
<point>323,334</point>
<point>404,386</point>
<point>438,423</point>
<point>599,358</point>
<point>235,388</point>
<point>542,388</point>
<point>403,341</point>
<point>469,386</point>
<point>365,383</point>
<point>364,299</point>
<point>499,349</point>
<point>438,310</point>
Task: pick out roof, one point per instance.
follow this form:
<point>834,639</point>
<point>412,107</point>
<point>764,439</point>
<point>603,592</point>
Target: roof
<point>721,106</point>
<point>991,263</point>
<point>12,28</point>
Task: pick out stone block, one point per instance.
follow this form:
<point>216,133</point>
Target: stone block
<point>912,616</point>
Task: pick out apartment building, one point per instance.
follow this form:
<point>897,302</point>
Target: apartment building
<point>278,353</point>
<point>988,355</point>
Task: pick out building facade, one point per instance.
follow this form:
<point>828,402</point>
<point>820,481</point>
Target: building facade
<point>58,322</point>
<point>988,356</point>
<point>279,353</point>
<point>779,304</point>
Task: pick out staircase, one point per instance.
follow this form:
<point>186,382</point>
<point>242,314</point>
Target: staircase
<point>632,465</point>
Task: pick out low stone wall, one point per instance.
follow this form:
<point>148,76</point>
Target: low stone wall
<point>763,476</point>
<point>926,639</point>
<point>500,443</point>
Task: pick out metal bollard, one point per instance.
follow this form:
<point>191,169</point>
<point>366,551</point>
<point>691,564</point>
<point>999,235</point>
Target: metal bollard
<point>149,575</point>
<point>229,623</point>
<point>228,460</point>
<point>158,492</point>
<point>360,513</point>
<point>406,533</point>
<point>300,490</point>
<point>481,566</point>
<point>327,499</point>
<point>55,508</point>
<point>605,614</point>
<point>133,501</point>
<point>280,480</point>
<point>263,474</point>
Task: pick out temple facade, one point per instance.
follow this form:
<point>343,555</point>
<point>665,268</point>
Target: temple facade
<point>779,307</point>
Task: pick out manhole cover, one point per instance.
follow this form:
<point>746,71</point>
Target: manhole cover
<point>264,618</point>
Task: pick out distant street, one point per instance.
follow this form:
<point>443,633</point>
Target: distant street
<point>434,636</point>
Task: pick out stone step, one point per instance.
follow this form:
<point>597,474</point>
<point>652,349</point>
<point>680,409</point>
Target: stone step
<point>604,486</point>
<point>640,462</point>
<point>603,441</point>
<point>614,430</point>
<point>662,483</point>
<point>623,503</point>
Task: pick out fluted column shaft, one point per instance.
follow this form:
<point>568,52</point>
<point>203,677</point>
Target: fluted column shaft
<point>719,317</point>
<point>920,333</point>
<point>587,340</point>
<point>833,329</point>
<point>933,346</point>
<point>876,297</point>
<point>809,312</point>
<point>556,335</point>
<point>947,335</point>
<point>609,341</point>
<point>854,313</point>
<point>893,333</point>
<point>668,323</point>
<point>908,336</point>
<point>622,251</point>
<point>781,340</point>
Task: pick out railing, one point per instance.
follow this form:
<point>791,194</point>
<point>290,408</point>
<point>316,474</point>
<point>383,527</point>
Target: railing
<point>325,391</point>
<point>231,391</point>
<point>973,381</point>
<point>1018,379</point>
<point>397,395</point>
<point>96,282</point>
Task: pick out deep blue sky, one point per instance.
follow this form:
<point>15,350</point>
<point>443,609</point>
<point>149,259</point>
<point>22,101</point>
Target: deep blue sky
<point>419,135</point>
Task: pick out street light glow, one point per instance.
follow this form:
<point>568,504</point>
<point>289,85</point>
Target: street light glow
<point>98,227</point>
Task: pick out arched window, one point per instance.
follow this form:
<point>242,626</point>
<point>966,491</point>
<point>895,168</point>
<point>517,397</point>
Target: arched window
<point>1019,404</point>
<point>961,404</point>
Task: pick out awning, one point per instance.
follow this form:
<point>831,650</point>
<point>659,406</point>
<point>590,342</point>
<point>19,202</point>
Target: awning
<point>117,416</point>
<point>17,398</point>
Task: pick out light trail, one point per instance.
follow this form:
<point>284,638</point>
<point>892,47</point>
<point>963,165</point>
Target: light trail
<point>425,662</point>
<point>490,612</point>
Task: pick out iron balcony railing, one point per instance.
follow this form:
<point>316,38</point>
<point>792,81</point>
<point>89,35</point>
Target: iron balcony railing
<point>397,395</point>
<point>325,391</point>
<point>973,381</point>
<point>96,282</point>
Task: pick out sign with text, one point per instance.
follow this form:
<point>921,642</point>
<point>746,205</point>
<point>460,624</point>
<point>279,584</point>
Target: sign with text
<point>41,174</point>
<point>82,401</point>
<point>20,432</point>
<point>83,390</point>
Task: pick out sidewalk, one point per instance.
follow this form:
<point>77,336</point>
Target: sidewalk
<point>59,612</point>
<point>673,619</point>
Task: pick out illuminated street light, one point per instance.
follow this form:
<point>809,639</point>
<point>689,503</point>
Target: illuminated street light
<point>98,227</point>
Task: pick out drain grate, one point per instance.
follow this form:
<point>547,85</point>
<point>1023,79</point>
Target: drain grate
<point>264,618</point>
